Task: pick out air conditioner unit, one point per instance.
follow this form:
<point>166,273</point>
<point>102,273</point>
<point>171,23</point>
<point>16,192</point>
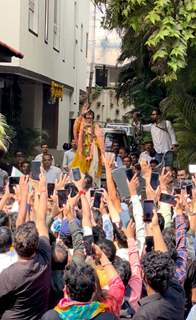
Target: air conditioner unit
<point>32,5</point>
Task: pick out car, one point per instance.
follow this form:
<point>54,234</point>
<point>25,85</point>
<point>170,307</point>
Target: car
<point>112,135</point>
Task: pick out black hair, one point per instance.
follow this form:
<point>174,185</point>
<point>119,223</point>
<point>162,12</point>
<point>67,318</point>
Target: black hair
<point>80,281</point>
<point>158,111</point>
<point>154,161</point>
<point>25,161</point>
<point>48,154</point>
<point>67,240</point>
<point>26,239</point>
<point>59,256</point>
<point>91,113</point>
<point>66,146</point>
<point>123,268</point>
<point>161,221</point>
<point>5,239</point>
<point>158,269</point>
<point>72,190</point>
<point>88,182</point>
<point>169,235</point>
<point>4,219</point>
<point>98,234</point>
<point>108,247</point>
<point>44,144</point>
<point>97,217</point>
<point>120,237</point>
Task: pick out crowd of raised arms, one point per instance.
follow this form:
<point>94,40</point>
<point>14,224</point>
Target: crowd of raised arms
<point>72,247</point>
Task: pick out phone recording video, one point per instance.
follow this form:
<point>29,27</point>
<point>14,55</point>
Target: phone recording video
<point>189,189</point>
<point>149,242</point>
<point>148,210</point>
<point>97,200</point>
<point>129,174</point>
<point>50,187</point>
<point>35,169</point>
<point>13,181</point>
<point>154,180</point>
<point>168,198</point>
<point>62,198</point>
<point>76,174</point>
<point>92,193</point>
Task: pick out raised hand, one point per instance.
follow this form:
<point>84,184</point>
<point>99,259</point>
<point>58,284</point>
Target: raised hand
<point>130,230</point>
<point>60,184</point>
<point>133,185</point>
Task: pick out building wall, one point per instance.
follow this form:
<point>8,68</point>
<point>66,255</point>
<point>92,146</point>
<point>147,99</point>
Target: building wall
<point>66,63</point>
<point>10,24</point>
<point>107,108</point>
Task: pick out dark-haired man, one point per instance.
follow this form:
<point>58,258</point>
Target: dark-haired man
<point>25,285</point>
<point>163,137</point>
<point>44,148</point>
<point>165,296</point>
<point>8,256</point>
<point>52,173</point>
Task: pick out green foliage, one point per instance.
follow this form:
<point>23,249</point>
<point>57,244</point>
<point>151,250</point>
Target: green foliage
<point>180,106</point>
<point>167,26</point>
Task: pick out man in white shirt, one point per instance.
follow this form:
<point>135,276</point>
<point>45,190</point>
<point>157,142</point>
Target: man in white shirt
<point>8,256</point>
<point>44,148</point>
<point>52,173</point>
<point>163,137</point>
<point>69,155</point>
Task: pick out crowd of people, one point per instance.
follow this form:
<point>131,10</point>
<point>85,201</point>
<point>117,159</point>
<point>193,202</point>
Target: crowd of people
<point>82,251</point>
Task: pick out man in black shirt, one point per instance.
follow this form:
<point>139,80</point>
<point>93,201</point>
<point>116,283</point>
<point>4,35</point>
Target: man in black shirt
<point>25,285</point>
<point>165,296</point>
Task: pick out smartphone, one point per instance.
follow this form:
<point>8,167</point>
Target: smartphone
<point>76,174</point>
<point>148,210</point>
<point>154,180</point>
<point>189,189</point>
<point>13,181</point>
<point>88,242</point>
<point>120,178</point>
<point>35,169</point>
<point>167,198</point>
<point>97,200</point>
<point>62,198</point>
<point>50,187</point>
<point>149,242</point>
<point>129,174</point>
<point>192,168</point>
<point>92,193</point>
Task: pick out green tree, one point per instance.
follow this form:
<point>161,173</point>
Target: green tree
<point>168,28</point>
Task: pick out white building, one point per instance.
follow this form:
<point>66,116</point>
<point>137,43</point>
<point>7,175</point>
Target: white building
<point>104,51</point>
<point>53,36</point>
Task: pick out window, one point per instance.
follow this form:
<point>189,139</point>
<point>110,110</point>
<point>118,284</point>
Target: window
<point>101,77</point>
<point>87,45</point>
<point>33,16</point>
<point>98,117</point>
<point>98,104</point>
<point>111,105</point>
<point>81,37</point>
<point>46,21</point>
<point>56,31</point>
<point>117,112</point>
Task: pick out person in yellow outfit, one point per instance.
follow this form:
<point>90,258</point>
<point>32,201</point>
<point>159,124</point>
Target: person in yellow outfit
<point>90,145</point>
